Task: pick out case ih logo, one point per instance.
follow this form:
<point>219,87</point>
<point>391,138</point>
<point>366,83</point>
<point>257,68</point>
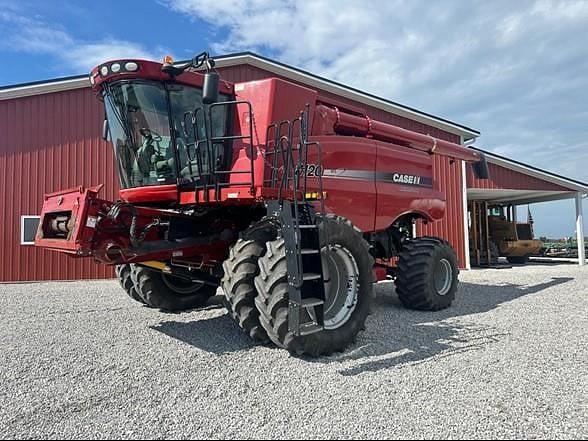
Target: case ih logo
<point>388,177</point>
<point>406,179</point>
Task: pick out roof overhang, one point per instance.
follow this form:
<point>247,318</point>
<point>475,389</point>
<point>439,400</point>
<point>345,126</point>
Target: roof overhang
<point>517,197</point>
<point>289,72</point>
<point>42,87</point>
<point>571,184</point>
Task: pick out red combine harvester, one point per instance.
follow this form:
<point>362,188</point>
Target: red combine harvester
<point>283,199</point>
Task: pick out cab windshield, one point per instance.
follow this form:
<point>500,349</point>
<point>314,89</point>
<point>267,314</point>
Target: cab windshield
<point>146,122</point>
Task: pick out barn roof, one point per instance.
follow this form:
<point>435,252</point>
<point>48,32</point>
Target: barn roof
<point>276,67</point>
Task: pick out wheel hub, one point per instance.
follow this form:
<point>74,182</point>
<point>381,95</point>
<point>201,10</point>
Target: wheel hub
<point>181,286</point>
<point>341,285</point>
<point>443,277</point>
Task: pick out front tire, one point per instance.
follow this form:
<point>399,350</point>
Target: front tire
<point>170,293</point>
<point>427,274</point>
<point>272,286</point>
<point>238,286</point>
<point>123,273</point>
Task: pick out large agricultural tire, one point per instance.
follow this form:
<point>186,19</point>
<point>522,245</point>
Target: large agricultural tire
<point>521,260</point>
<point>238,286</point>
<point>427,274</point>
<point>170,293</point>
<point>272,288</point>
<point>123,273</point>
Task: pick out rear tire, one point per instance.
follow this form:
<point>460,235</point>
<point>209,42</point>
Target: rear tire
<point>123,273</point>
<point>427,274</point>
<point>238,286</point>
<point>272,286</point>
<point>170,293</point>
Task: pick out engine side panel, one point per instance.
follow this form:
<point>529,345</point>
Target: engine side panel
<point>405,184</point>
<point>348,169</point>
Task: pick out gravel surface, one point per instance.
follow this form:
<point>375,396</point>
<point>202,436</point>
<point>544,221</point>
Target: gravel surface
<point>509,359</point>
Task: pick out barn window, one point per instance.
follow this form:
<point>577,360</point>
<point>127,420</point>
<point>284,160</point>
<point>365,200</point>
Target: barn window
<point>28,229</point>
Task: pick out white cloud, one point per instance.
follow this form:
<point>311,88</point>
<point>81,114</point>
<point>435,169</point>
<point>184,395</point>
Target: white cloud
<point>35,36</point>
<point>561,10</point>
<point>515,71</point>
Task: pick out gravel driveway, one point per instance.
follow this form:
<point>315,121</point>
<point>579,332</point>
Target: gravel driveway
<point>509,359</point>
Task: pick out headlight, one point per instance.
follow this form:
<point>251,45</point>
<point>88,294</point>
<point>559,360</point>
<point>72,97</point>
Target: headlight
<point>115,68</point>
<point>131,66</point>
<point>104,71</point>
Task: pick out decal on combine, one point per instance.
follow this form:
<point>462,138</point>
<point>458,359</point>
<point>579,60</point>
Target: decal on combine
<point>313,170</point>
<point>406,179</point>
<point>388,177</point>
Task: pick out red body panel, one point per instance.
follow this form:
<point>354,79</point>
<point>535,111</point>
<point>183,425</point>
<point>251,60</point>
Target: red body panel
<point>349,178</point>
<point>81,207</point>
<point>160,193</point>
<point>272,100</point>
<point>395,199</point>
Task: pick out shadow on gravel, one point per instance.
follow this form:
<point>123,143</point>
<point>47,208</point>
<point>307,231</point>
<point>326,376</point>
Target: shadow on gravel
<point>539,261</point>
<point>533,262</point>
<point>397,336</point>
<point>218,335</point>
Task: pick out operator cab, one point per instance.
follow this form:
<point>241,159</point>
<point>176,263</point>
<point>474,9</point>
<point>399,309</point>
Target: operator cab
<point>155,121</point>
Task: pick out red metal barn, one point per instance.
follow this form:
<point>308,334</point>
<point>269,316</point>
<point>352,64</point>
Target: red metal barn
<point>51,141</point>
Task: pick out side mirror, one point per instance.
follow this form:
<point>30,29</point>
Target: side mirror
<point>105,130</point>
<point>210,88</point>
<point>481,170</point>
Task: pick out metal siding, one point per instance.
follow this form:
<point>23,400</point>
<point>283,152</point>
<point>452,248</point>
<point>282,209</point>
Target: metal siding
<point>49,142</point>
<point>448,179</point>
<point>502,178</point>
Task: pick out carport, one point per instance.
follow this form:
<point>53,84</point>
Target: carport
<point>512,182</point>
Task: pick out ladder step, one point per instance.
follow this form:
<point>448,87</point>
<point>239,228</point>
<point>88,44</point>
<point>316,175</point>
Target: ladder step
<point>309,328</point>
<point>307,226</point>
<point>309,251</point>
<point>310,276</point>
<point>311,301</point>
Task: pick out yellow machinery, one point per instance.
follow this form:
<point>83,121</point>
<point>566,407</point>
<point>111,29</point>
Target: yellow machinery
<point>494,232</point>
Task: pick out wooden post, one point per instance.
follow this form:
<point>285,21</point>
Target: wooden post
<point>487,233</point>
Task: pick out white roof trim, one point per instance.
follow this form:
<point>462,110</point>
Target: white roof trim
<point>295,74</point>
<point>41,88</point>
<point>279,69</point>
<point>536,173</point>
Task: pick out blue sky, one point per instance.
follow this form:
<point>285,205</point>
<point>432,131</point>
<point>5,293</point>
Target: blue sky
<point>516,71</point>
